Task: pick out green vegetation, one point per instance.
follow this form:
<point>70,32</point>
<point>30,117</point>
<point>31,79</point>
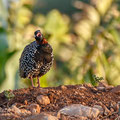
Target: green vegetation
<point>96,80</point>
<point>85,41</point>
<point>9,94</point>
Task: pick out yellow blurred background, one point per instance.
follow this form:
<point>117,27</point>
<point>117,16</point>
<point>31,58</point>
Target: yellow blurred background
<point>84,34</point>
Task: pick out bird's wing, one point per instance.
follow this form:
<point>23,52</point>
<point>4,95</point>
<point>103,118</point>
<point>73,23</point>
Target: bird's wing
<point>27,62</point>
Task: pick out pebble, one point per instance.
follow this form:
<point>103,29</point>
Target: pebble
<point>25,102</point>
<point>25,112</point>
<point>82,87</point>
<point>79,110</point>
<point>15,110</point>
<point>63,87</point>
<point>19,111</point>
<point>34,108</point>
<point>106,111</point>
<point>101,88</point>
<point>43,91</point>
<point>42,116</point>
<point>88,84</point>
<point>116,89</point>
<point>109,87</point>
<point>103,84</point>
<point>1,109</point>
<point>42,99</point>
<point>99,107</point>
<point>83,118</point>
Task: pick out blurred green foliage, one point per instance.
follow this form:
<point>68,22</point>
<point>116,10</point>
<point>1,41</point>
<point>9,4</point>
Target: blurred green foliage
<point>85,42</point>
<point>9,94</point>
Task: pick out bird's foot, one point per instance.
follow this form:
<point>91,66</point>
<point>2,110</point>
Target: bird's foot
<point>38,86</point>
<point>38,82</point>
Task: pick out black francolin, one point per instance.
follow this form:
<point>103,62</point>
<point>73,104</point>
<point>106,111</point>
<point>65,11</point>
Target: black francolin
<point>36,58</point>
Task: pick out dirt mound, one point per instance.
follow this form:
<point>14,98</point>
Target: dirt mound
<point>106,96</point>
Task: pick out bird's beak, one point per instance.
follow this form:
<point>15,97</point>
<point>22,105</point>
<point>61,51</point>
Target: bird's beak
<point>38,35</point>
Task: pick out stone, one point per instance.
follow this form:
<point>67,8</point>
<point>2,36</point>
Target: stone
<point>94,113</point>
<point>99,108</point>
<point>102,84</point>
<point>63,87</point>
<point>18,111</point>
<point>116,89</point>
<point>1,110</point>
<point>42,116</point>
<point>88,84</point>
<point>42,99</point>
<point>25,102</point>
<point>79,110</point>
<point>106,111</point>
<point>43,91</point>
<point>34,108</point>
<point>101,88</point>
<point>15,110</point>
<point>65,117</point>
<point>82,87</point>
<point>25,112</point>
<point>110,87</point>
<point>83,118</point>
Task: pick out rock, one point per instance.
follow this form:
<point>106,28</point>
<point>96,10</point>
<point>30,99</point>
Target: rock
<point>65,117</point>
<point>79,110</point>
<point>99,108</point>
<point>102,84</point>
<point>83,118</point>
<point>25,102</point>
<point>95,90</point>
<point>119,108</point>
<point>88,84</point>
<point>25,112</point>
<point>43,91</point>
<point>63,87</point>
<point>15,110</point>
<point>9,110</point>
<point>82,87</point>
<point>111,110</point>
<point>42,116</point>
<point>34,108</point>
<point>106,111</point>
<point>18,111</point>
<point>1,110</point>
<point>42,99</point>
<point>109,87</point>
<point>94,113</point>
<point>101,88</point>
<point>114,106</point>
<point>116,89</point>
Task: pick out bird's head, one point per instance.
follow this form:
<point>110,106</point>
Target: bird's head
<point>38,35</point>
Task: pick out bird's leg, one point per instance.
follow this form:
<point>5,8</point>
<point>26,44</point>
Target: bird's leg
<point>32,81</point>
<point>38,81</point>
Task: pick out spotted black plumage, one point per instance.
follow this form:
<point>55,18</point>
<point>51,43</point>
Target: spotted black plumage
<point>36,58</point>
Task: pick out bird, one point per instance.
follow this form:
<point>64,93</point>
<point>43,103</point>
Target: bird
<point>36,58</point>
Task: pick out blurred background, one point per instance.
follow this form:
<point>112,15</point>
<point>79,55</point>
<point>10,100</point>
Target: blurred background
<point>84,34</point>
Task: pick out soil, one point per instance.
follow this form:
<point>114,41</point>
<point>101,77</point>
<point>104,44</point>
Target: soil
<point>105,96</point>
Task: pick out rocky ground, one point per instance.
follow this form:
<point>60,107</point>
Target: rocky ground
<point>72,102</point>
